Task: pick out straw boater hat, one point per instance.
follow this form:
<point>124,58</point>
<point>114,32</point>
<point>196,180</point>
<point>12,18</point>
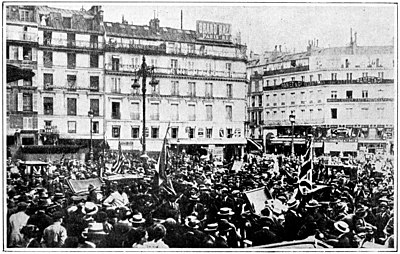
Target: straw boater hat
<point>194,197</point>
<point>212,227</point>
<point>137,219</point>
<point>225,211</point>
<point>342,227</point>
<point>90,209</point>
<point>192,222</point>
<point>312,204</point>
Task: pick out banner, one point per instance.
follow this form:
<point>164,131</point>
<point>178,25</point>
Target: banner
<point>257,198</point>
<point>237,166</point>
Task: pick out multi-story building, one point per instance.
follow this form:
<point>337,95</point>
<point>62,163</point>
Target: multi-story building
<point>344,96</point>
<point>83,63</point>
<point>200,95</point>
<point>22,95</point>
<point>70,74</point>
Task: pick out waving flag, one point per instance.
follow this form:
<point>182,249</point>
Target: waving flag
<point>116,167</point>
<point>163,161</point>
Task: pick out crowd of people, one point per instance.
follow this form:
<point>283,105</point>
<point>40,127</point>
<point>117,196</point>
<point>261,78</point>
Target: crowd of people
<point>202,204</point>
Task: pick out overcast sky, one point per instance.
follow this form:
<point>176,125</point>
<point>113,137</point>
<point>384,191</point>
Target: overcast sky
<point>263,25</point>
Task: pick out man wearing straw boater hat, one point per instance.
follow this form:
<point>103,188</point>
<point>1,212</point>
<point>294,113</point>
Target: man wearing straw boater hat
<point>342,236</point>
<point>209,239</point>
<point>293,220</point>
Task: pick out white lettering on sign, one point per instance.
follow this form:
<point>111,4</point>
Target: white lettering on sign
<point>213,31</point>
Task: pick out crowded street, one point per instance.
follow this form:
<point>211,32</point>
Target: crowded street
<point>201,204</point>
<point>245,126</point>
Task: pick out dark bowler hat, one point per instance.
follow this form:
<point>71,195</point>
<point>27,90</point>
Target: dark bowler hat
<point>361,212</point>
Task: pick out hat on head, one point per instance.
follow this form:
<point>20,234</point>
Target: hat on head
<point>225,211</point>
<point>361,212</point>
<point>59,195</point>
<point>22,205</point>
<point>137,219</point>
<point>91,187</point>
<point>342,227</point>
<point>192,222</point>
<point>194,197</point>
<point>90,208</point>
<point>292,203</point>
<point>211,227</point>
<point>312,204</point>
<point>58,215</point>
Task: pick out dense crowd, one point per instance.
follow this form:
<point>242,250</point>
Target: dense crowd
<point>207,206</point>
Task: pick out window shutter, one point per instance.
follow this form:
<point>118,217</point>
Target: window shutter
<point>20,101</point>
<point>35,98</point>
<point>20,82</point>
<point>24,123</point>
<point>20,53</point>
<point>34,54</point>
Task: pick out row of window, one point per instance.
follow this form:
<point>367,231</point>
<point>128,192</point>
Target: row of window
<point>71,82</point>
<point>48,109</point>
<point>71,60</point>
<point>365,113</point>
<point>154,109</point>
<point>48,106</point>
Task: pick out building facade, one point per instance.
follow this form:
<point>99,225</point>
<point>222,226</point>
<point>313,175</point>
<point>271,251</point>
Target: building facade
<point>22,95</point>
<point>83,63</point>
<point>200,93</point>
<point>343,96</point>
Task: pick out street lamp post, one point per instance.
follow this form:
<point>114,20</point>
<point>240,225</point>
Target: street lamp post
<point>292,120</point>
<point>91,114</point>
<point>143,72</point>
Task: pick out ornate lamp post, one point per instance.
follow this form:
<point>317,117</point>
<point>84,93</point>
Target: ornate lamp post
<point>292,120</point>
<point>91,114</point>
<point>143,72</point>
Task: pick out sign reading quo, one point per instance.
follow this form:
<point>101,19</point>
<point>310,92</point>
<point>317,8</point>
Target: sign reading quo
<point>207,30</point>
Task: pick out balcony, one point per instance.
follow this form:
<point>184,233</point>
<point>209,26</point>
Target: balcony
<point>286,70</point>
<point>361,100</point>
<point>22,36</point>
<point>116,115</point>
<point>78,44</point>
<point>162,49</point>
<point>135,116</point>
<point>155,117</point>
<point>295,84</point>
<point>177,71</point>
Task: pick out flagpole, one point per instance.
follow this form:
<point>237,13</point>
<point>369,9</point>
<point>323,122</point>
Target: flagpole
<point>312,158</point>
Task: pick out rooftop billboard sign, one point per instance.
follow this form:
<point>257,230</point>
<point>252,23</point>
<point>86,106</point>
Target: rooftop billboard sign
<point>213,31</point>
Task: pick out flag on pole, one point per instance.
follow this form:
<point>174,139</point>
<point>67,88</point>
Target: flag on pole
<point>163,161</point>
<point>116,167</point>
<point>168,187</point>
<point>307,166</point>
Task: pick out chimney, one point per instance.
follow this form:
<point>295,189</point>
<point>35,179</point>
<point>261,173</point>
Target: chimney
<point>355,38</point>
<point>155,24</point>
<point>181,19</point>
<point>351,36</point>
<point>317,43</point>
<point>280,48</point>
<point>276,48</point>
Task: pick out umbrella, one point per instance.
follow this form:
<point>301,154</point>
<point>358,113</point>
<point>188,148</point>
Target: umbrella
<point>15,73</point>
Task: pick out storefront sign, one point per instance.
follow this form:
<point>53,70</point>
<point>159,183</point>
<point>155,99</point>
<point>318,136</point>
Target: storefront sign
<point>221,133</point>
